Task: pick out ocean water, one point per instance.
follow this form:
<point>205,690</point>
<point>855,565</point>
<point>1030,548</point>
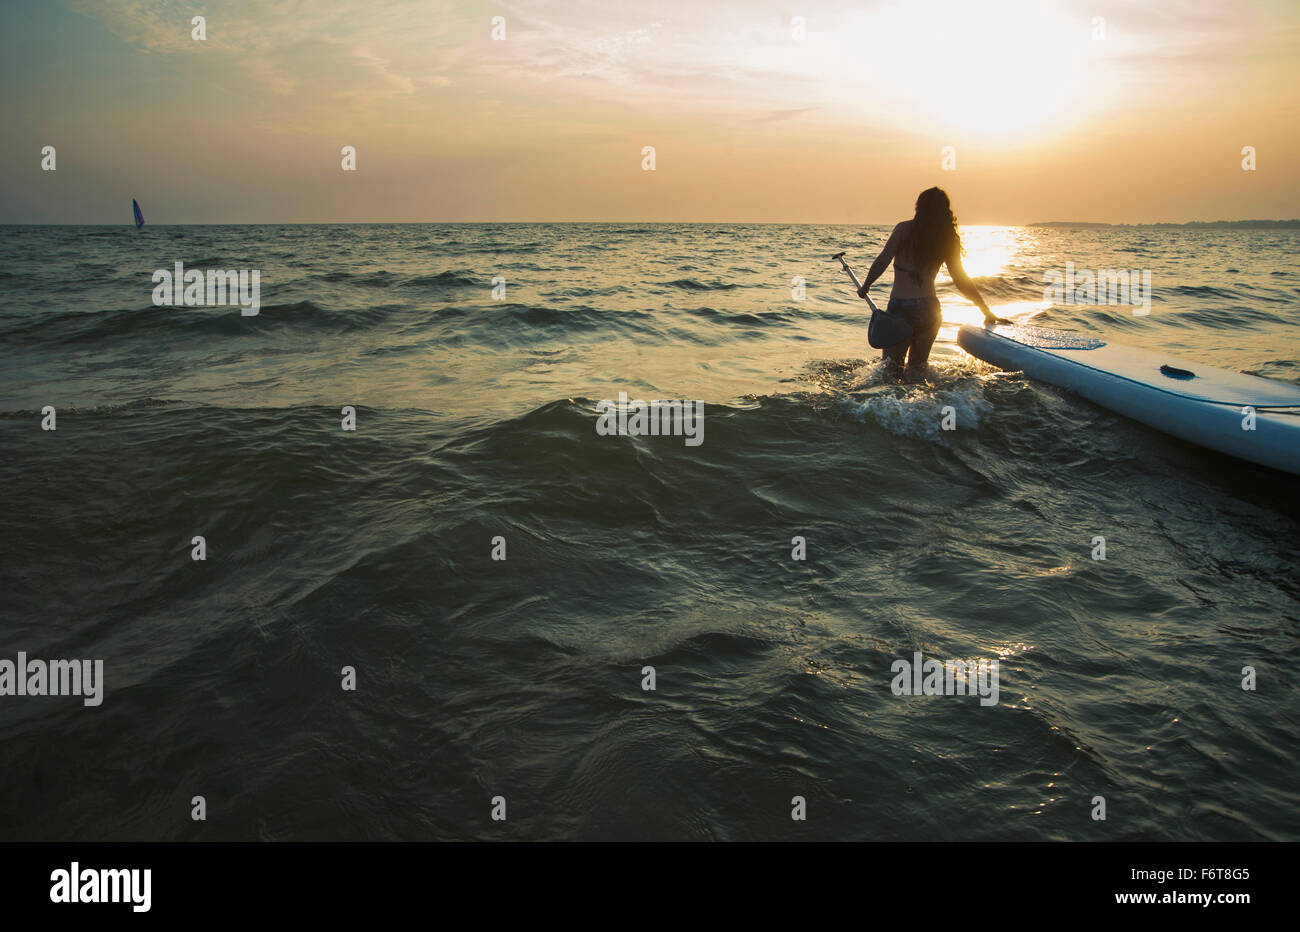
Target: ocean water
<point>522,678</point>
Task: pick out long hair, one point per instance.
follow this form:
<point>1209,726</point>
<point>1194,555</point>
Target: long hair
<point>933,234</point>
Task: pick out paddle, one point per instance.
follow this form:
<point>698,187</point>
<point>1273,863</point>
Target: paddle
<point>857,285</point>
<point>885,329</point>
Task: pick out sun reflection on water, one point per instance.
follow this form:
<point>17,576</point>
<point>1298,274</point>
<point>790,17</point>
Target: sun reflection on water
<point>990,250</point>
<point>994,252</point>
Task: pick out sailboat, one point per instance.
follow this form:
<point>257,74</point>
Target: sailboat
<point>139,215</point>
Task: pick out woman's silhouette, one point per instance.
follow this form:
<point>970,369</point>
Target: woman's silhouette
<point>917,247</point>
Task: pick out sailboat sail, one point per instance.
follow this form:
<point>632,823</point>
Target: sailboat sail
<point>139,216</point>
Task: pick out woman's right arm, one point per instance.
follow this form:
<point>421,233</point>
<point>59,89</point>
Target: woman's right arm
<point>882,262</point>
<point>962,282</point>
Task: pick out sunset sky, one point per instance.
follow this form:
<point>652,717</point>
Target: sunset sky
<point>749,123</point>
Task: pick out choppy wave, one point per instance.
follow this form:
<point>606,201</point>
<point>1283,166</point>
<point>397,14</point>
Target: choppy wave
<point>691,284</point>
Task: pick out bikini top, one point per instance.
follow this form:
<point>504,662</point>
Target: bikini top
<point>916,276</point>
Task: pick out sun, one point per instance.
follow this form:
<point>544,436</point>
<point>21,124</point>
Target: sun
<point>1001,71</point>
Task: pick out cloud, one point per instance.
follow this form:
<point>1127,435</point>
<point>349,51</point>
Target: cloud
<point>772,116</point>
<point>380,68</point>
<point>375,48</point>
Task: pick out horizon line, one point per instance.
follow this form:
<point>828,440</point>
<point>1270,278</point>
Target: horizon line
<point>846,223</point>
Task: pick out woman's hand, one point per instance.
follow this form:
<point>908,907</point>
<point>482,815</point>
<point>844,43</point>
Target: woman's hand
<point>991,319</point>
<point>862,292</point>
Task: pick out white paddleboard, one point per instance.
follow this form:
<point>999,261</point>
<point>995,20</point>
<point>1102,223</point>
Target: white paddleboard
<point>1202,404</point>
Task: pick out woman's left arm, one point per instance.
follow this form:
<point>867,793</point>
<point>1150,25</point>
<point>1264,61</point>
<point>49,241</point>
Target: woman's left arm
<point>882,262</point>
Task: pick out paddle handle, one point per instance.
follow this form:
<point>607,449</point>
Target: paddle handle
<point>857,285</point>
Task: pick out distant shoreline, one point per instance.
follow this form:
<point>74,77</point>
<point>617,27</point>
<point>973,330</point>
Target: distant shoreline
<point>1205,224</point>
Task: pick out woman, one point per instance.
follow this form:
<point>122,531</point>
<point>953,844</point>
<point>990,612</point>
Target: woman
<point>917,247</point>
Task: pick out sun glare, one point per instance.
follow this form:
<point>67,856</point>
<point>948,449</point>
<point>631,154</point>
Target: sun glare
<point>989,250</point>
<point>1015,69</point>
<point>993,252</point>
